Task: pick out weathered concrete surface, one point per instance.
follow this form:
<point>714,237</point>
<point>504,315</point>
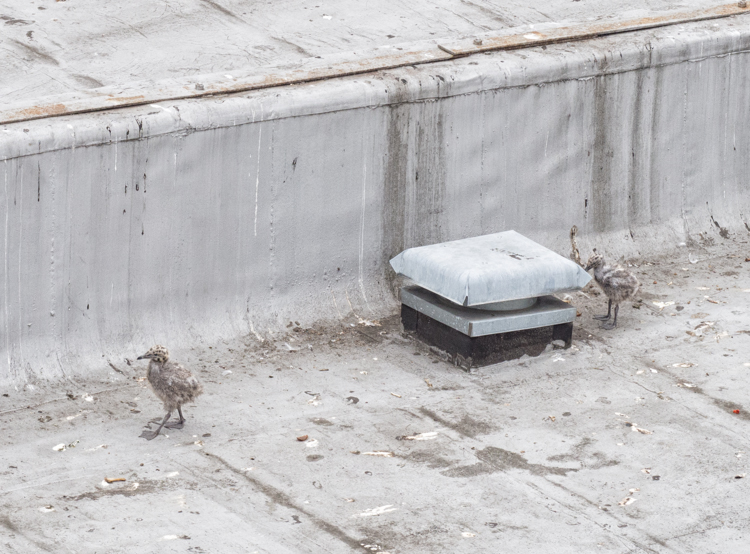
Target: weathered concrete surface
<point>52,48</point>
<point>529,456</point>
<point>200,220</point>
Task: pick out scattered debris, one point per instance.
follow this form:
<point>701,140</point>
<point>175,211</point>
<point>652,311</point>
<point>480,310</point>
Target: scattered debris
<point>428,383</point>
<point>303,438</point>
<point>352,399</point>
<point>324,369</point>
<point>740,476</point>
<point>312,444</point>
<point>368,323</point>
<point>376,511</point>
<point>379,453</point>
<point>46,509</point>
<point>226,372</point>
<point>550,418</point>
<point>114,479</point>
<point>646,470</point>
<point>735,411</point>
<point>626,501</point>
<point>290,348</point>
<point>684,364</point>
<point>468,535</point>
<point>420,437</point>
<point>315,400</point>
<point>396,395</point>
<point>642,431</point>
<point>62,446</point>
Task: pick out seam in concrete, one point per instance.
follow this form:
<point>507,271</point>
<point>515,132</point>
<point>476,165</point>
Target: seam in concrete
<point>190,128</point>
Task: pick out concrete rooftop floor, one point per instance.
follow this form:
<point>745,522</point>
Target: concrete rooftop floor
<point>627,442</point>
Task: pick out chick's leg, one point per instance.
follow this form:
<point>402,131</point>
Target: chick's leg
<point>613,323</point>
<point>150,436</point>
<point>609,312</point>
<point>178,424</point>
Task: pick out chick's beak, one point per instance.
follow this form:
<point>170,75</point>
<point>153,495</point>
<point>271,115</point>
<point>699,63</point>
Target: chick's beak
<point>586,269</point>
<point>144,357</point>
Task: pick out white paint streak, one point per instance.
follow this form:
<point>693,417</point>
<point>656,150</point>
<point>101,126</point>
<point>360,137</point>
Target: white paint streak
<point>7,306</point>
<point>362,235</point>
<point>257,179</point>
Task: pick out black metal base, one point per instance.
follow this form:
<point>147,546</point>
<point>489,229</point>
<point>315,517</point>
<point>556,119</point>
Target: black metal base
<point>467,352</point>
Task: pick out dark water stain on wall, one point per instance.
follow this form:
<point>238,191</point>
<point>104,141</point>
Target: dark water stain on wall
<point>396,182</point>
<point>601,175</point>
<point>428,185</point>
<point>654,181</point>
<point>638,146</point>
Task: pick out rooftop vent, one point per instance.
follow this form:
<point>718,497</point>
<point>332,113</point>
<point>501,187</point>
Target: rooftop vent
<point>488,299</point>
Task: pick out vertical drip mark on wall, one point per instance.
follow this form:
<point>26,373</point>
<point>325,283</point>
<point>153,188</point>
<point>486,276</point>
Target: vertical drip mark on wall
<point>362,234</point>
<point>257,178</point>
<point>5,272</point>
<point>20,265</point>
<point>726,130</point>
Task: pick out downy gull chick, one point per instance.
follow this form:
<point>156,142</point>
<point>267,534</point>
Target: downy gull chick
<point>618,284</point>
<point>172,383</point>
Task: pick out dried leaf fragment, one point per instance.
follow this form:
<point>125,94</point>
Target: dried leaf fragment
<point>303,438</point>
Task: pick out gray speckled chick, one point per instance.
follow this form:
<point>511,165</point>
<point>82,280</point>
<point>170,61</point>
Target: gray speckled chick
<point>172,383</point>
<point>618,284</point>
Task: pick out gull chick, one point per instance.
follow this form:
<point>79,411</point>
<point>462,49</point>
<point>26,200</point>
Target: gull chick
<point>618,284</point>
<point>172,383</point>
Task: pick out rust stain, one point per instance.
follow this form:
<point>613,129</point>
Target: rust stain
<point>42,111</point>
<point>125,98</point>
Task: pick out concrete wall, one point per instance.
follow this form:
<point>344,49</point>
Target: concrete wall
<point>228,216</point>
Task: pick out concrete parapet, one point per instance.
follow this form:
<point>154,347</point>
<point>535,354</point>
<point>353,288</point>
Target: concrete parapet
<point>200,219</point>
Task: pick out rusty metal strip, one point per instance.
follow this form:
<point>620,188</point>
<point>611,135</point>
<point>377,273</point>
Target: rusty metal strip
<point>331,67</point>
<point>468,46</point>
<point>149,92</point>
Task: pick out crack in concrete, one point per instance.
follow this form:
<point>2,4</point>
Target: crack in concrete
<point>281,498</point>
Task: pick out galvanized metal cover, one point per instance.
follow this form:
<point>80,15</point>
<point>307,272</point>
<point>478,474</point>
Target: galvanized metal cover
<point>478,323</point>
<point>491,268</point>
